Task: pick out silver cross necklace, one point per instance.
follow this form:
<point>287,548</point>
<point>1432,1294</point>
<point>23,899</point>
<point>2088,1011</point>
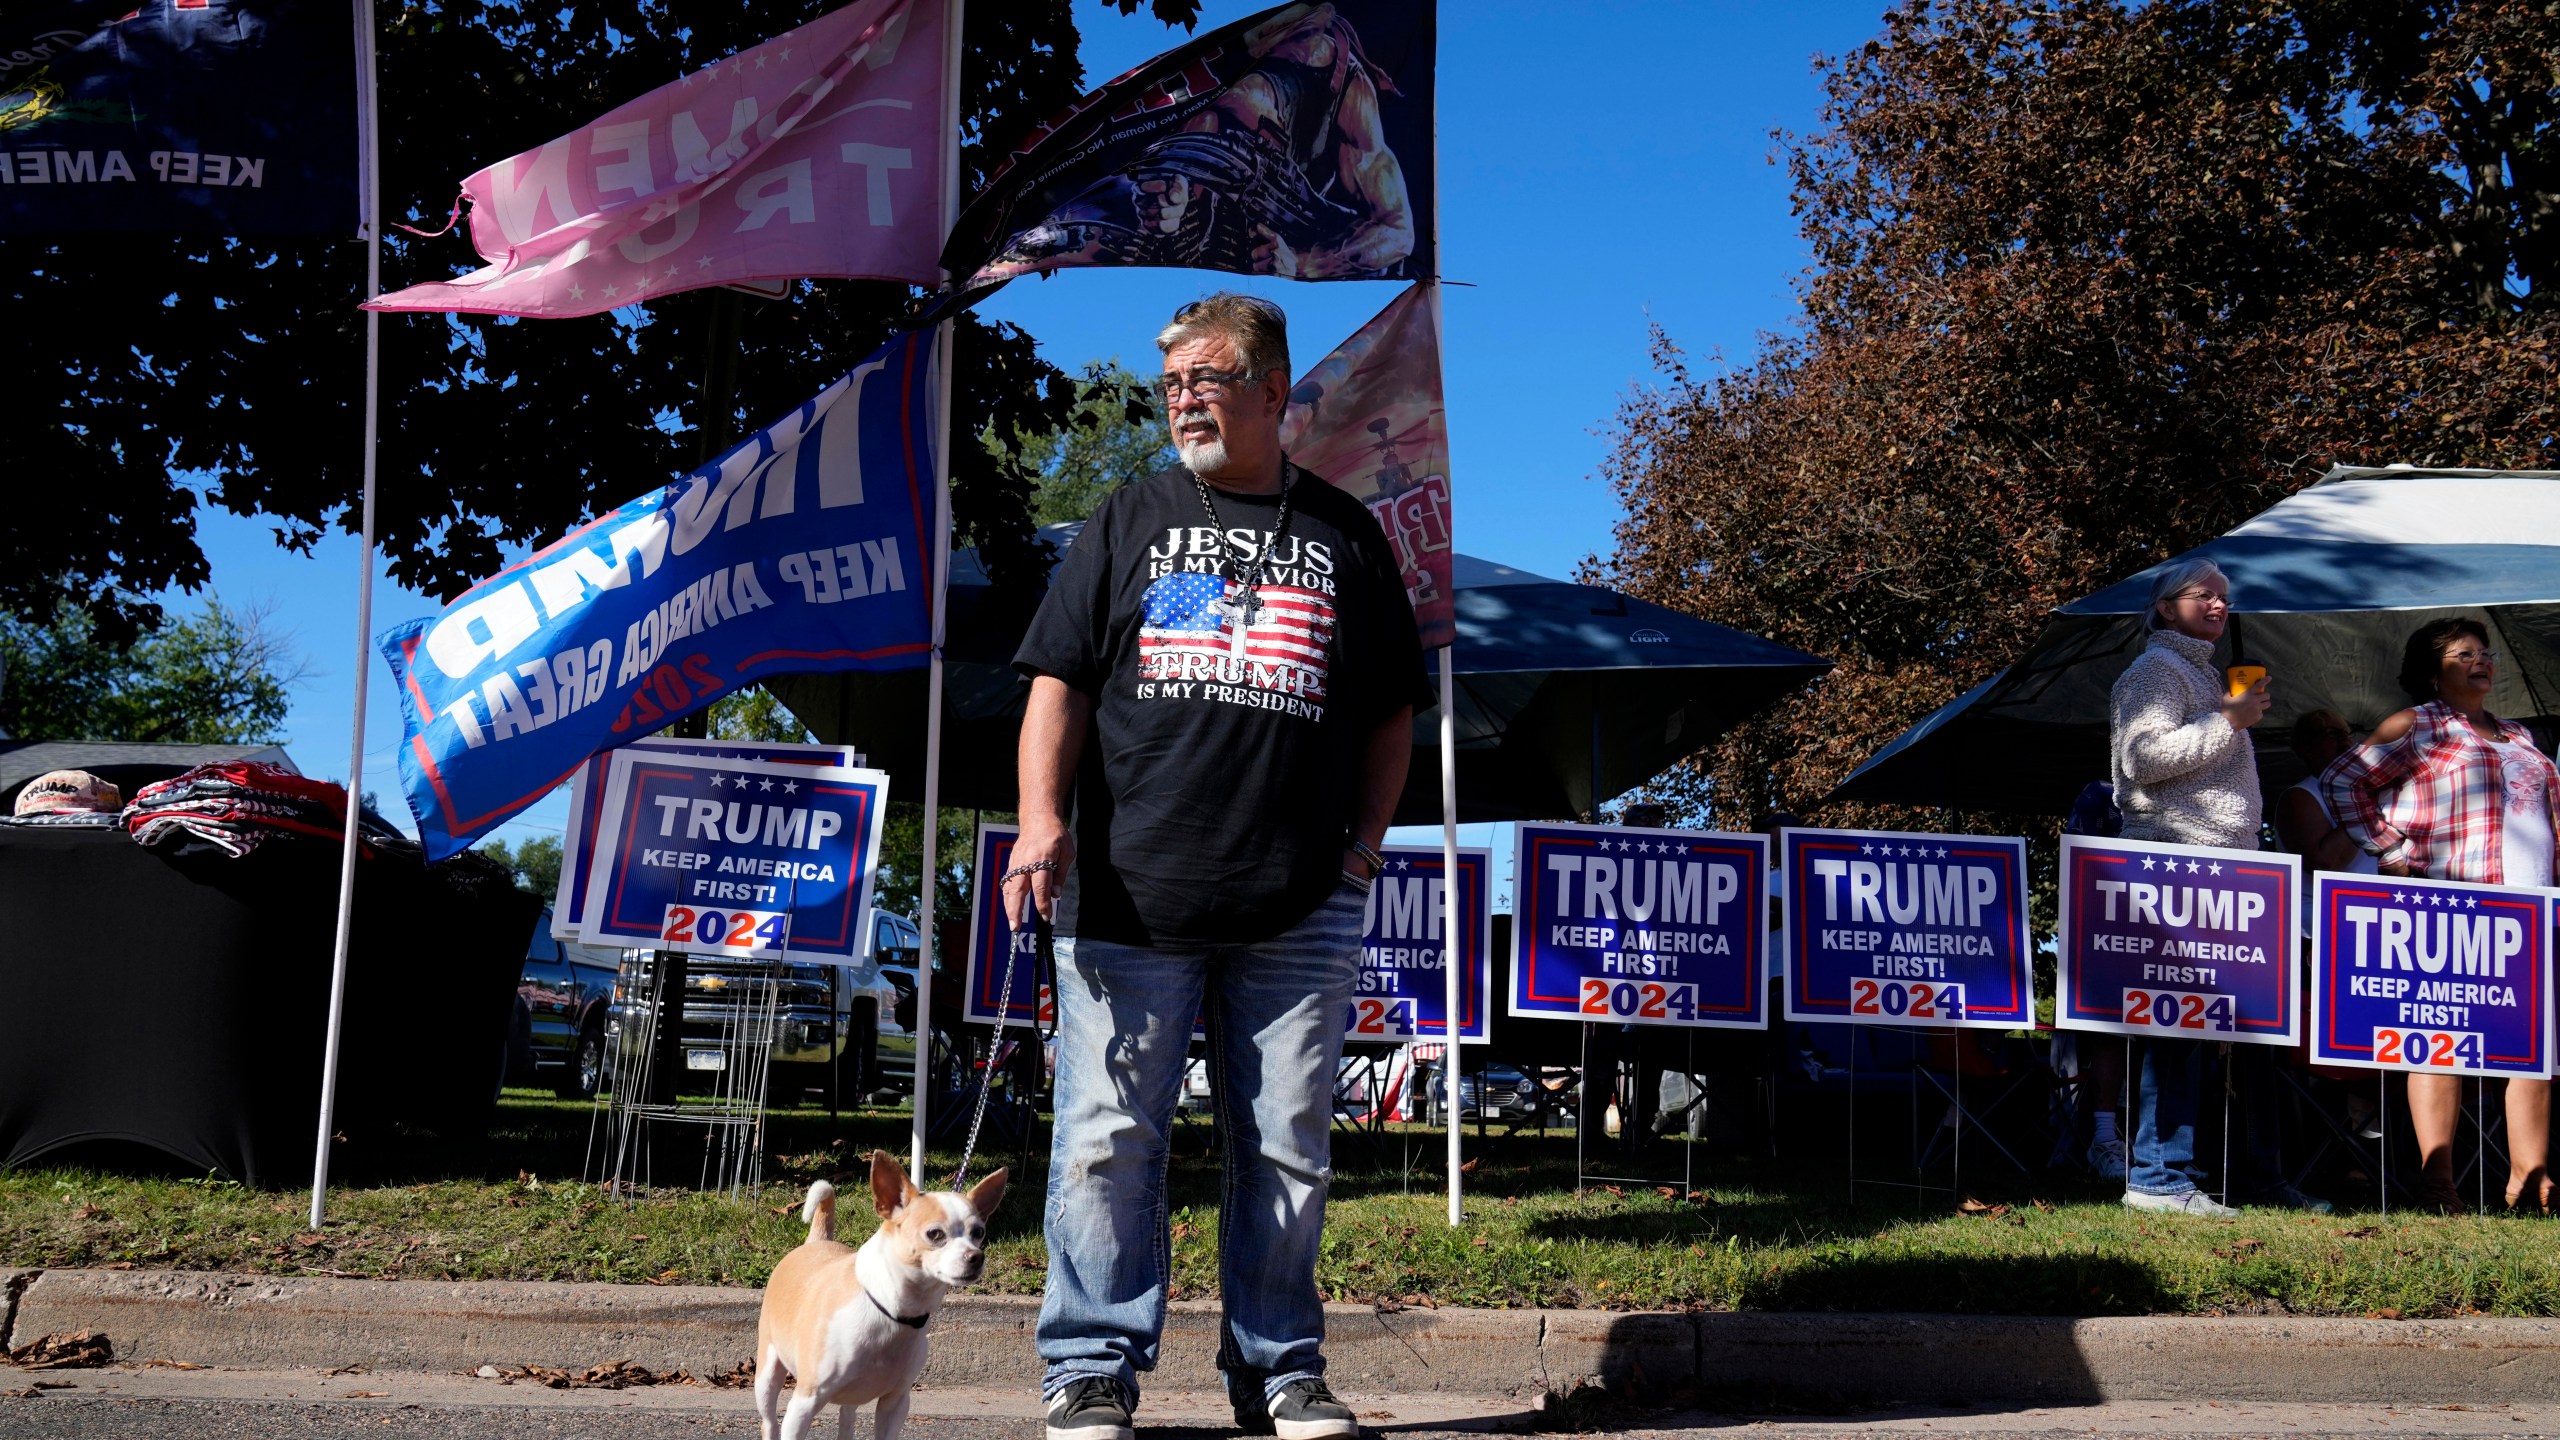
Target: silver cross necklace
<point>1241,607</point>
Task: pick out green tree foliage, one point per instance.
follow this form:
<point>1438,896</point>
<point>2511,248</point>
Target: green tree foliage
<point>1115,433</point>
<point>536,863</point>
<point>2092,283</point>
<point>153,367</point>
<point>753,714</point>
<point>902,857</point>
<point>218,677</point>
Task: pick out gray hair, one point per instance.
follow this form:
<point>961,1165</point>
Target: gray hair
<point>2177,579</point>
<point>1258,329</point>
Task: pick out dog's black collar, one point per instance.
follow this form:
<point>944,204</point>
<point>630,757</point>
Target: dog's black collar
<point>912,1322</point>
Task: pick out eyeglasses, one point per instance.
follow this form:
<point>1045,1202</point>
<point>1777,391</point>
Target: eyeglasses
<point>2205,597</point>
<point>1203,384</point>
<point>2467,657</point>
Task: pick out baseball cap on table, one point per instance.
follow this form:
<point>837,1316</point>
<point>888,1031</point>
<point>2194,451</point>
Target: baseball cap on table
<point>60,792</point>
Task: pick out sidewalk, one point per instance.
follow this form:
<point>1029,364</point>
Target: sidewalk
<point>221,1404</point>
<point>429,1327</point>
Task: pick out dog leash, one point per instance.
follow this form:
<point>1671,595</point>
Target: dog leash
<point>1040,943</point>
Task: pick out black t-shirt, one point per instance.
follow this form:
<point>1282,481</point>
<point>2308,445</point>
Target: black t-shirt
<point>1216,791</point>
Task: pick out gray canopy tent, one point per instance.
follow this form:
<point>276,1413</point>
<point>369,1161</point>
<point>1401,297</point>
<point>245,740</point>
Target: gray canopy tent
<point>2326,586</point>
<point>1557,683</point>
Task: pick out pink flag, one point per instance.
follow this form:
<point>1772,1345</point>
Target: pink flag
<point>1369,418</point>
<point>818,152</point>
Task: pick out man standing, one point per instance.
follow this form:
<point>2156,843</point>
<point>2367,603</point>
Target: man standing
<point>1223,680</point>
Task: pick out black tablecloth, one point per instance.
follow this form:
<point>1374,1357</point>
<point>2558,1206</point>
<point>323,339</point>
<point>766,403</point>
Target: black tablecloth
<point>179,1002</point>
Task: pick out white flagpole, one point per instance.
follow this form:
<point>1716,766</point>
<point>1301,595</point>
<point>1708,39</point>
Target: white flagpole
<point>951,23</point>
<point>368,146</point>
<point>1449,931</point>
<point>1452,972</point>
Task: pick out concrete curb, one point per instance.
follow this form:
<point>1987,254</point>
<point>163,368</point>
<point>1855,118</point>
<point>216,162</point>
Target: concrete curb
<point>272,1322</point>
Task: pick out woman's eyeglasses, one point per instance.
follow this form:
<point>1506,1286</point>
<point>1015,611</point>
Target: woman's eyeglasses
<point>2471,657</point>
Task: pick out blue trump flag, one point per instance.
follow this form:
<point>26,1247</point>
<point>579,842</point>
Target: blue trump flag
<point>809,547</point>
<point>226,117</point>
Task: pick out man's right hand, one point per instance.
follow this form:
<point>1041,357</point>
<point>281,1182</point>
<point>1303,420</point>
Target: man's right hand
<point>2248,707</point>
<point>1041,839</point>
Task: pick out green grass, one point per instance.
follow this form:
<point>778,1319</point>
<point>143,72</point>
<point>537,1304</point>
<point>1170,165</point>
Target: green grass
<point>1760,1237</point>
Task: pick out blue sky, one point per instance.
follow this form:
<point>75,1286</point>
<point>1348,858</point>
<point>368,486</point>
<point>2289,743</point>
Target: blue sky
<point>1599,173</point>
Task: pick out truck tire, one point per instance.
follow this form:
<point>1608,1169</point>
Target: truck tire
<point>858,1062</point>
<point>584,1074</point>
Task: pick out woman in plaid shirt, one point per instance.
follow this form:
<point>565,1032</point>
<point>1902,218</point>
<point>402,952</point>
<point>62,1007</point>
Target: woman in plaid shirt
<point>2451,792</point>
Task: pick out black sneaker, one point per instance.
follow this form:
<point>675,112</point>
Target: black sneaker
<point>1303,1410</point>
<point>1094,1408</point>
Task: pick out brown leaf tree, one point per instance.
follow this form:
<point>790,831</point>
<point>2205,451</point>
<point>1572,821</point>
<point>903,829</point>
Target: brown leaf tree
<point>2092,283</point>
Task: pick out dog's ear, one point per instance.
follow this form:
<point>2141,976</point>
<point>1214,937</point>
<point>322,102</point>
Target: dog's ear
<point>890,1187</point>
<point>987,1194</point>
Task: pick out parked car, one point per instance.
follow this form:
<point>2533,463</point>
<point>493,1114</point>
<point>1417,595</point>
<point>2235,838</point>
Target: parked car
<point>839,1029</point>
<point>1500,1091</point>
<point>562,1002</point>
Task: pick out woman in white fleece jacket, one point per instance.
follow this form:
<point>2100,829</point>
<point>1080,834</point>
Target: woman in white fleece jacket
<point>2185,773</point>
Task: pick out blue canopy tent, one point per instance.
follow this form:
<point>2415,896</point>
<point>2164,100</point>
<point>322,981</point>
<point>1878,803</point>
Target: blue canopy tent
<point>2325,587</point>
<point>1557,683</point>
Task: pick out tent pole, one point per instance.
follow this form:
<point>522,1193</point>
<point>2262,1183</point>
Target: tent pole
<point>927,940</point>
<point>368,114</point>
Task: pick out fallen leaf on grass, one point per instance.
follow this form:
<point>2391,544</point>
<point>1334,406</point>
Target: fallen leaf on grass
<point>2385,1313</point>
<point>1971,1206</point>
<point>79,1350</point>
<point>665,1277</point>
<point>2039,1204</point>
<point>90,1211</point>
<point>2361,1232</point>
<point>2238,1248</point>
<point>1469,1167</point>
<point>1184,1229</point>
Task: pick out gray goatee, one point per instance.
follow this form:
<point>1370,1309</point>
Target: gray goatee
<point>1204,457</point>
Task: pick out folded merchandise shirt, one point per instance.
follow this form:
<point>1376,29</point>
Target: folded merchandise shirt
<point>236,807</point>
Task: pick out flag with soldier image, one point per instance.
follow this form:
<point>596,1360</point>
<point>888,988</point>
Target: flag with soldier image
<point>1296,142</point>
<point>1369,418</point>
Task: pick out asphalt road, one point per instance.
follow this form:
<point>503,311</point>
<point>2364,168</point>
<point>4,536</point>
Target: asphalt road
<point>307,1405</point>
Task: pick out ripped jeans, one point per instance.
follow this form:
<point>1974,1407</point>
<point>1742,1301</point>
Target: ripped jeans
<point>1275,1014</point>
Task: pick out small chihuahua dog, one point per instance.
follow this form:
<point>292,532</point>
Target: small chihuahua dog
<point>845,1326</point>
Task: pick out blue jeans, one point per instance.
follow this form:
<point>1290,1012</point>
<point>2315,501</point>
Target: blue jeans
<point>1275,1013</point>
<point>2163,1158</point>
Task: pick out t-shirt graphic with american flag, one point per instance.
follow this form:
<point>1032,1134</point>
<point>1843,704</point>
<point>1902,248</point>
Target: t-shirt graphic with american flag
<point>1185,635</point>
